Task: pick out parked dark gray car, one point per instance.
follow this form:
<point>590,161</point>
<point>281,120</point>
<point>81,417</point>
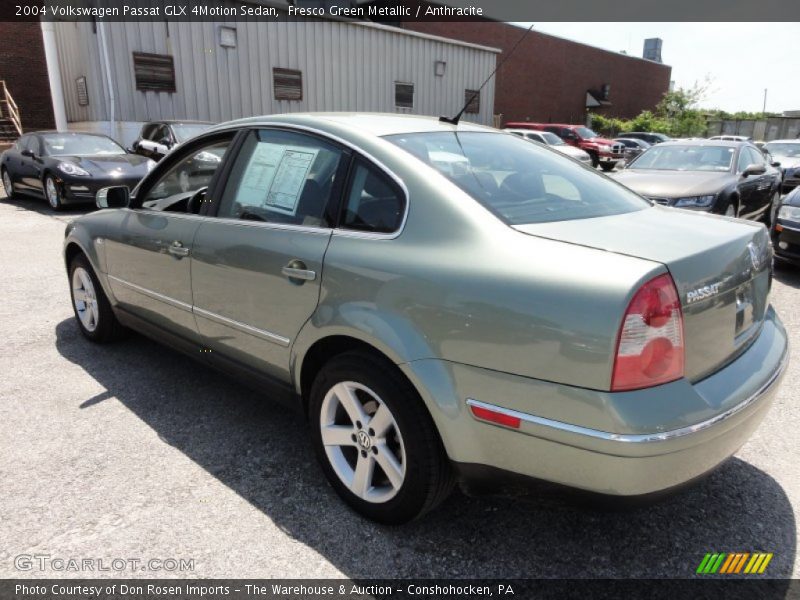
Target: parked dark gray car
<point>727,178</point>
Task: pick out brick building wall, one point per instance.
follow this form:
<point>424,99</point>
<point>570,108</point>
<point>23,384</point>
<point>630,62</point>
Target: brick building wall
<point>547,77</point>
<point>23,67</point>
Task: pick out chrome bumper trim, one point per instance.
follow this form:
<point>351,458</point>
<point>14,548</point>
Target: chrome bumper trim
<point>632,438</point>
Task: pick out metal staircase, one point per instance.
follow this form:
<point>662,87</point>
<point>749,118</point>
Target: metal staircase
<point>10,123</point>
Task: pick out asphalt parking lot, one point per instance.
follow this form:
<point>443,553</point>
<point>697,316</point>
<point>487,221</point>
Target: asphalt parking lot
<point>131,450</point>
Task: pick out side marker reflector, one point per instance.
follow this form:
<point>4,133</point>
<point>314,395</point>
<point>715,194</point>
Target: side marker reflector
<point>484,414</point>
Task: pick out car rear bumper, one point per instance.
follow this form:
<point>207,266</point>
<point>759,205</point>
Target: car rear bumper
<point>623,444</point>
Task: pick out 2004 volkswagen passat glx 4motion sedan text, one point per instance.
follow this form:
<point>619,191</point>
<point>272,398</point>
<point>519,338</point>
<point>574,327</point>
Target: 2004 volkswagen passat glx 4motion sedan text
<point>443,301</point>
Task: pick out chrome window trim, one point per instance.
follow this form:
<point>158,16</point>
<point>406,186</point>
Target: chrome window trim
<point>244,327</point>
<point>155,295</point>
<point>631,438</point>
<point>268,225</point>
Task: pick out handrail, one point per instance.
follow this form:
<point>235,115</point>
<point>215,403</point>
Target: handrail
<point>13,109</point>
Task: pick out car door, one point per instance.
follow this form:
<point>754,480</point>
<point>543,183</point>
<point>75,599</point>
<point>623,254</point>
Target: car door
<point>747,186</point>
<point>148,253</point>
<point>765,183</point>
<point>29,173</point>
<point>257,266</point>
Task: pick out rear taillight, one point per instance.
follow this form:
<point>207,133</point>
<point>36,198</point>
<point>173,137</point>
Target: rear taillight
<point>650,344</point>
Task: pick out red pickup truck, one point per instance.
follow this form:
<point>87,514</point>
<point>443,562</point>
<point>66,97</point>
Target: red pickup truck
<point>604,152</point>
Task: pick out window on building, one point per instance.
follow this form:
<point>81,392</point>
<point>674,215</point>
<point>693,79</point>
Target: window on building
<point>288,84</point>
<point>154,72</point>
<point>403,95</point>
<point>83,92</point>
<point>472,99</point>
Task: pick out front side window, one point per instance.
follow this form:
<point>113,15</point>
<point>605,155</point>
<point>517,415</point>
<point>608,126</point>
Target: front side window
<point>282,177</point>
<point>77,144</point>
<point>374,203</point>
<point>685,158</point>
<point>756,158</point>
<point>551,139</point>
<point>518,181</point>
<point>743,161</point>
<point>188,177</point>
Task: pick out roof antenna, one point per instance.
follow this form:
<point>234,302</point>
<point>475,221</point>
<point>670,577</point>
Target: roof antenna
<point>457,118</point>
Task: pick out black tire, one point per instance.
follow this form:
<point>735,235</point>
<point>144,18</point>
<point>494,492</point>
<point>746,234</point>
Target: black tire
<point>772,211</point>
<point>429,477</point>
<point>606,166</point>
<point>595,159</point>
<point>107,327</point>
<point>725,206</point>
<point>56,200</point>
<point>7,179</point>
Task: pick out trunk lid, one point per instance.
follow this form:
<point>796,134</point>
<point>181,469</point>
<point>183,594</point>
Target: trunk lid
<point>721,268</point>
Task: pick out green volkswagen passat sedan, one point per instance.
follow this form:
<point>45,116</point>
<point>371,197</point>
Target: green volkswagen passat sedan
<point>443,302</point>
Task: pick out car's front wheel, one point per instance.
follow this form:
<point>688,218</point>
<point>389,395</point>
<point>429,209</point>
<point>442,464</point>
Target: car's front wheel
<point>53,193</point>
<point>92,309</point>
<point>375,440</point>
<point>7,185</point>
<point>608,166</point>
<point>772,211</point>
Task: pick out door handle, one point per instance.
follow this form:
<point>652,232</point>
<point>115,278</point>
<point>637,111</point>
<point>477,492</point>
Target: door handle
<point>178,250</point>
<point>296,270</point>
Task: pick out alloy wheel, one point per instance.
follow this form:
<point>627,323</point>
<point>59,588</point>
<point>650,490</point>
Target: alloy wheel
<point>85,299</point>
<point>362,442</point>
<point>7,184</point>
<point>52,192</point>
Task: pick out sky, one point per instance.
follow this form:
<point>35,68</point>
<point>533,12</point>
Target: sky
<point>739,59</point>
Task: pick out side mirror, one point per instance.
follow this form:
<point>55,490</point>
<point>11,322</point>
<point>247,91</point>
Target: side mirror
<point>118,196</point>
<point>28,153</point>
<point>754,169</point>
<point>775,163</point>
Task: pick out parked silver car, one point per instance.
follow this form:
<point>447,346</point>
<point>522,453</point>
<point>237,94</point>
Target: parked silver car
<point>442,302</point>
<point>551,139</point>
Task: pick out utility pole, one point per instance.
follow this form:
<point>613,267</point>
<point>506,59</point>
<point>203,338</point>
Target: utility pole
<point>764,110</point>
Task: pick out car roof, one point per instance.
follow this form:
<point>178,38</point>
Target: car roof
<point>376,124</point>
<point>181,122</point>
<point>709,142</point>
<point>790,141</point>
<point>524,130</point>
<point>56,132</point>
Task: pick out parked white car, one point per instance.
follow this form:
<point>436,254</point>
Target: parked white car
<point>551,139</point>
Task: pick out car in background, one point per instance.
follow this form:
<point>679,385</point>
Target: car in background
<point>68,167</point>
<point>785,232</point>
<point>727,178</point>
<point>787,153</point>
<point>603,152</point>
<point>514,312</point>
<point>555,142</point>
<point>731,138</point>
<point>158,137</point>
<point>650,137</point>
<point>633,147</point>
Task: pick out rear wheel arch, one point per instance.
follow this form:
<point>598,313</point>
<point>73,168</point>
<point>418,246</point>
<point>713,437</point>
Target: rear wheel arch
<point>324,350</point>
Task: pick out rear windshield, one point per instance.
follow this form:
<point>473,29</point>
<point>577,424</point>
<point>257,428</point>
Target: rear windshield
<point>518,181</point>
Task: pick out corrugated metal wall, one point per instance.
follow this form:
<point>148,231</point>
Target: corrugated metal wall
<point>345,65</point>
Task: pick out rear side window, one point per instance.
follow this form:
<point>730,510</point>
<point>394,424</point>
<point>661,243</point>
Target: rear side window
<point>374,203</point>
<point>518,181</point>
